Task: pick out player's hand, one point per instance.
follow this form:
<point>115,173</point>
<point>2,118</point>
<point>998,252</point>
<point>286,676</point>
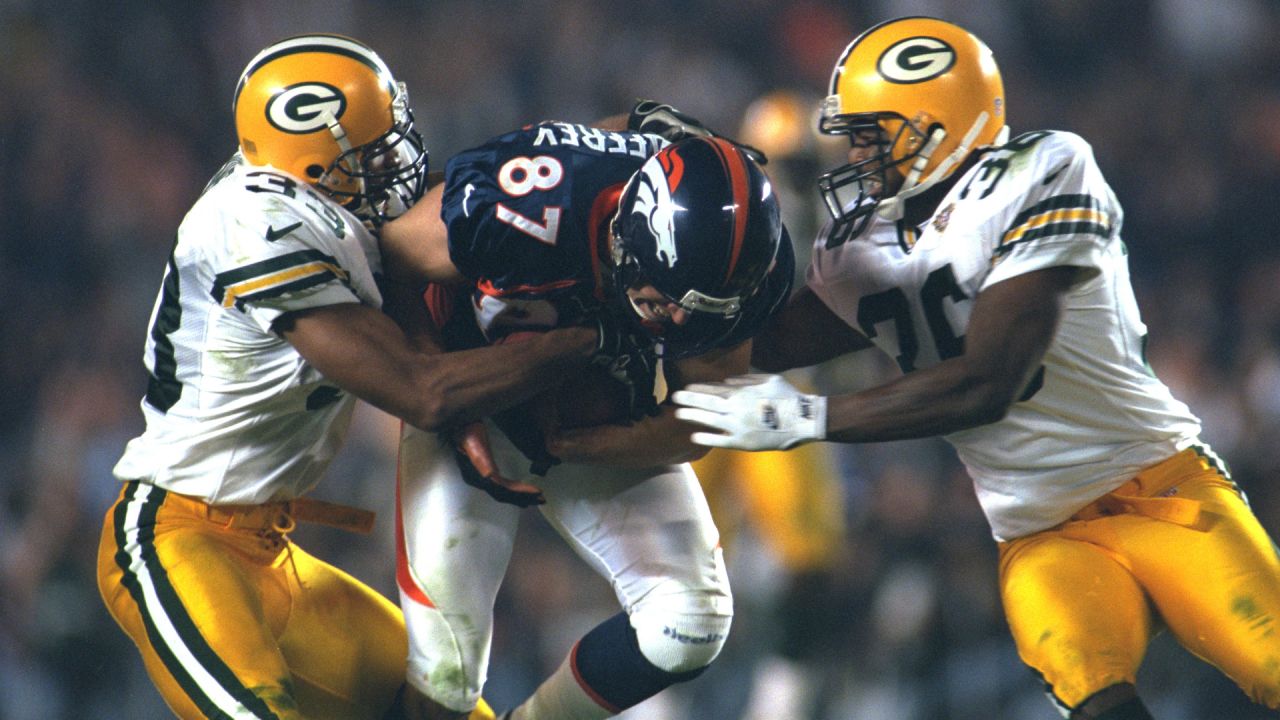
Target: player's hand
<point>655,118</point>
<point>623,349</point>
<point>753,412</point>
<point>638,371</point>
<point>475,460</point>
<point>628,354</point>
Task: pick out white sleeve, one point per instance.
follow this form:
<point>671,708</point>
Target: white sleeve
<point>278,264</point>
<point>826,278</point>
<point>1064,213</point>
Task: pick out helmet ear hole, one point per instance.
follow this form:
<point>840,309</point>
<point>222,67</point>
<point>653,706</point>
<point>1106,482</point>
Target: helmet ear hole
<point>314,171</point>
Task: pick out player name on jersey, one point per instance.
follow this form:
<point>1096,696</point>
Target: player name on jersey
<point>601,141</point>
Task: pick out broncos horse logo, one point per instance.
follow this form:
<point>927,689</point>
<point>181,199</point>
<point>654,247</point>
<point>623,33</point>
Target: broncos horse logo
<point>653,201</point>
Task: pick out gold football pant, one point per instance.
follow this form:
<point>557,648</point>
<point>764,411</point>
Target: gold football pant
<point>1176,546</point>
<point>235,621</point>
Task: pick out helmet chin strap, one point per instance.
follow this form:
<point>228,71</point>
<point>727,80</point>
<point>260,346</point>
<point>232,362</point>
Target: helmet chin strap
<point>339,133</point>
<point>344,146</point>
<point>894,207</point>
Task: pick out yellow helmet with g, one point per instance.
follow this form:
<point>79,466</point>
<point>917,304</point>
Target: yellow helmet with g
<point>325,109</point>
<point>931,90</point>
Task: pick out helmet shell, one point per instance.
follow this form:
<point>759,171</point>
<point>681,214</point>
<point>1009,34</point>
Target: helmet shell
<point>922,70</point>
<point>700,222</point>
<point>288,92</point>
<point>326,109</point>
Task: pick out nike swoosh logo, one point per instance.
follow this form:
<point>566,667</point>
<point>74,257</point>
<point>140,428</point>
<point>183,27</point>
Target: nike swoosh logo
<point>274,234</point>
<point>465,197</point>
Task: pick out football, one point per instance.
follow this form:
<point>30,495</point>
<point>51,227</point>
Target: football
<point>581,399</point>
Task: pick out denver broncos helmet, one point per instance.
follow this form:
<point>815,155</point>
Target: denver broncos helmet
<point>325,109</point>
<point>931,89</point>
<point>699,221</point>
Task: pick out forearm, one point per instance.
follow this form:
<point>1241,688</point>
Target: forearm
<point>806,332</point>
<point>472,384</point>
<point>659,440</point>
<point>365,353</point>
<point>1010,330</point>
<point>943,399</point>
<point>1012,325</point>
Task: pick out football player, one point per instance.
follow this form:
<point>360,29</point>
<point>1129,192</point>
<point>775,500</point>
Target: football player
<point>994,272</point>
<point>266,329</point>
<point>681,241</point>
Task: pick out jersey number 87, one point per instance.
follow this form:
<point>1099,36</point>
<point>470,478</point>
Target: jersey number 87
<point>520,176</point>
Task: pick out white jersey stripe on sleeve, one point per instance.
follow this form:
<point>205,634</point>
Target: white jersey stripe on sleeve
<point>275,276</point>
<point>1055,216</point>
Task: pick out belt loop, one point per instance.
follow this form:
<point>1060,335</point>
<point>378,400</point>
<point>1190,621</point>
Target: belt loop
<point>215,515</point>
<point>282,519</point>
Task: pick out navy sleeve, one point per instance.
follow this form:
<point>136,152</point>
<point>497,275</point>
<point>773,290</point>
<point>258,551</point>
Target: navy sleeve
<point>509,213</point>
<point>467,208</point>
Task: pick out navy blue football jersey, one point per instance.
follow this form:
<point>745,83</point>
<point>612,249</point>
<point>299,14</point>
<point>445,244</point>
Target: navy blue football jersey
<point>527,215</point>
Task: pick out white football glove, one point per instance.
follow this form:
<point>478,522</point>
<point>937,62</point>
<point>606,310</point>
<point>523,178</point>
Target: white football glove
<point>753,412</point>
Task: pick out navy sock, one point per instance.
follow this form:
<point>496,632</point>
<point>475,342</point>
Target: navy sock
<point>609,662</point>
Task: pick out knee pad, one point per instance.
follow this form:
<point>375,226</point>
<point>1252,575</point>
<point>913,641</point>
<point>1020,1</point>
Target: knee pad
<point>679,642</point>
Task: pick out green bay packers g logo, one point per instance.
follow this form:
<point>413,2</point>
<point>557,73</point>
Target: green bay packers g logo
<point>915,60</point>
<point>305,107</point>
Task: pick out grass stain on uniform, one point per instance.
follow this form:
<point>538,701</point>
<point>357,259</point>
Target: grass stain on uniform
<point>1246,608</point>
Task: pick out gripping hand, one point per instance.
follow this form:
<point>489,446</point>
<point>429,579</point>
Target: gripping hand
<point>655,118</point>
<point>637,369</point>
<point>624,350</point>
<point>753,412</point>
<point>475,460</point>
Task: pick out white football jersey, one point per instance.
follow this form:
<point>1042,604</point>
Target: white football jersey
<point>234,414</point>
<point>1094,414</point>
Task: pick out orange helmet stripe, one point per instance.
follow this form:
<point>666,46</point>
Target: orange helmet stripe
<point>736,167</point>
<point>673,168</point>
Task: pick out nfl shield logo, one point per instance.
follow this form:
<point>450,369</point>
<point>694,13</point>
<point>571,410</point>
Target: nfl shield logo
<point>943,217</point>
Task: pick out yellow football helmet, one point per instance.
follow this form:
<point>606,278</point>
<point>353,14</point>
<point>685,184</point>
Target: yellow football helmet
<point>325,109</point>
<point>933,92</point>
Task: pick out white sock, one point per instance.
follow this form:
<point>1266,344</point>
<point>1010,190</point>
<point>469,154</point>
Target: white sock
<point>560,697</point>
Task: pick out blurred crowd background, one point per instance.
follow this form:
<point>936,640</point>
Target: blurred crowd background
<point>872,596</point>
